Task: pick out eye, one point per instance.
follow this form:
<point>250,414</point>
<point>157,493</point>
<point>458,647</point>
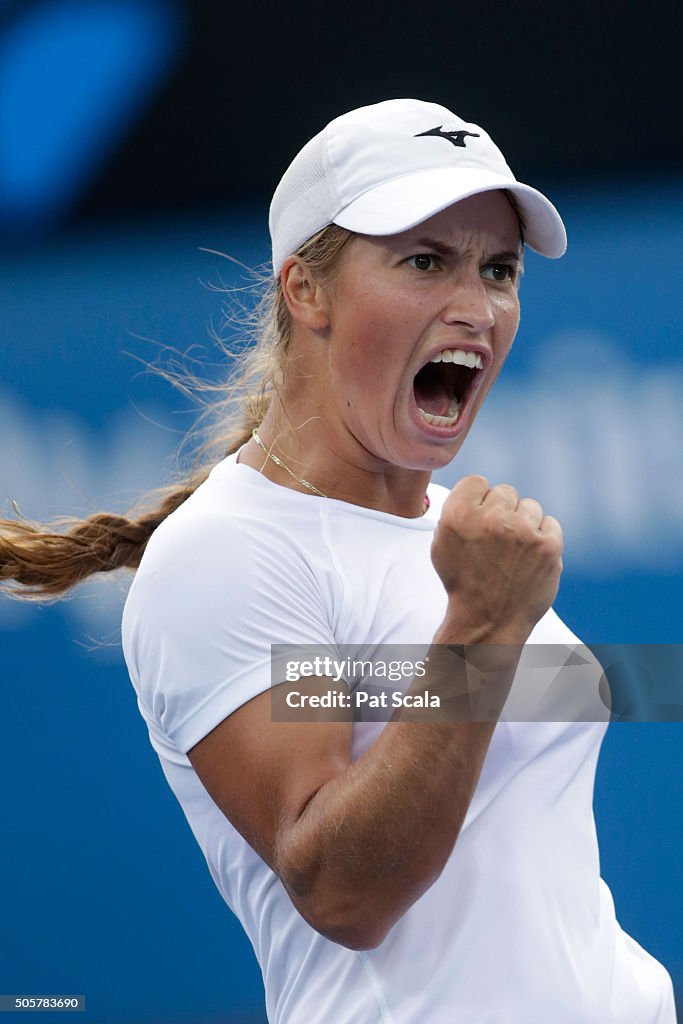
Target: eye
<point>500,272</point>
<point>422,261</point>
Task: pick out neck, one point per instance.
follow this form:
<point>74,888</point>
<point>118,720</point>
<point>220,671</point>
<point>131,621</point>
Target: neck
<point>352,475</point>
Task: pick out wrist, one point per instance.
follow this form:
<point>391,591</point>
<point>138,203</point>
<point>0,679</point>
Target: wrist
<point>459,628</point>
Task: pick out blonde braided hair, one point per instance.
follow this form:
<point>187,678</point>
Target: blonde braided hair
<point>41,562</point>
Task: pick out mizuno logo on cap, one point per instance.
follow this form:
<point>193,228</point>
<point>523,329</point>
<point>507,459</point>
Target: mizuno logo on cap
<point>457,138</point>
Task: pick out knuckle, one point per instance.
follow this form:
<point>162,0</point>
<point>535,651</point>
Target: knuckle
<point>527,533</point>
<point>467,484</point>
<point>506,489</point>
<point>555,530</point>
<point>494,520</point>
<point>552,545</point>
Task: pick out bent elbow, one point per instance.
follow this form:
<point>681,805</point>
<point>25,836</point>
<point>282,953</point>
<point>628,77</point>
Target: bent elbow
<point>348,920</point>
<point>347,930</point>
<point>356,937</point>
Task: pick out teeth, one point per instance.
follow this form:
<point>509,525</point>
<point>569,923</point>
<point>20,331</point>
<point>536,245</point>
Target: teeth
<point>457,355</point>
<point>443,421</point>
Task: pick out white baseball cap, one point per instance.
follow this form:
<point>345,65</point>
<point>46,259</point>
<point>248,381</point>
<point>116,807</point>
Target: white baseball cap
<point>384,168</point>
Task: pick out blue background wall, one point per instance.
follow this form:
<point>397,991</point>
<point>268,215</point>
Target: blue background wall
<point>103,890</point>
<point>123,128</point>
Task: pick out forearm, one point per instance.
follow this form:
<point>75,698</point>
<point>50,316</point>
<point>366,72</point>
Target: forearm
<point>374,838</point>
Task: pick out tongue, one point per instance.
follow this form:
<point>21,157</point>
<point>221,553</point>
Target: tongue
<point>434,398</point>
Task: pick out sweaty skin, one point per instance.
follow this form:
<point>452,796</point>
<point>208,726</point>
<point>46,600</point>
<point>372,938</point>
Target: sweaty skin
<point>330,828</point>
<point>359,342</point>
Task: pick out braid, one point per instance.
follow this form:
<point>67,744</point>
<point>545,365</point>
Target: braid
<point>46,563</point>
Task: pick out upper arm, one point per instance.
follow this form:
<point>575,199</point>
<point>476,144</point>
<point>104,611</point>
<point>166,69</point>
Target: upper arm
<point>212,603</point>
<point>262,773</point>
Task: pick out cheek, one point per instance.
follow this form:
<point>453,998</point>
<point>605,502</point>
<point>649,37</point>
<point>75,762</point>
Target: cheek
<point>357,360</point>
<point>367,335</point>
<point>507,320</point>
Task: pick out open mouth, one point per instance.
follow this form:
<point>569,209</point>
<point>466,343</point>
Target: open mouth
<point>442,387</point>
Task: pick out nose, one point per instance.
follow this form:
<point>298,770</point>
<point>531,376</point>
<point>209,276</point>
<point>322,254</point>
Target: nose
<point>470,303</point>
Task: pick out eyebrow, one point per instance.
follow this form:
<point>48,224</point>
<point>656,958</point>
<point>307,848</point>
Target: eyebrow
<point>448,250</point>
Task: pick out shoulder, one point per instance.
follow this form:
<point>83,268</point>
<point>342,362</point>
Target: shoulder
<point>231,525</point>
<point>221,562</point>
<point>224,578</point>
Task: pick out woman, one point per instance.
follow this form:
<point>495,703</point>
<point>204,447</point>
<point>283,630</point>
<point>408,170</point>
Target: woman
<point>384,871</point>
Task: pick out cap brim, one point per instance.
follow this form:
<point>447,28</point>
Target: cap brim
<point>403,203</point>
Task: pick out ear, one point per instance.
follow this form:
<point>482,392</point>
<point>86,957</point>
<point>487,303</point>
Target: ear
<point>305,297</point>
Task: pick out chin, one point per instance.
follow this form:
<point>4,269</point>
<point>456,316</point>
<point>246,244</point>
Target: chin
<point>430,457</point>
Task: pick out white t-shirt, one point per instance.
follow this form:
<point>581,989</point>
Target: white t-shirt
<point>519,927</point>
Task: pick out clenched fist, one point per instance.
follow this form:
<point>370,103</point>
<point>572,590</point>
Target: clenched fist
<point>499,558</point>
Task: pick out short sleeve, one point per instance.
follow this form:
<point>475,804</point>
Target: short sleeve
<point>210,598</point>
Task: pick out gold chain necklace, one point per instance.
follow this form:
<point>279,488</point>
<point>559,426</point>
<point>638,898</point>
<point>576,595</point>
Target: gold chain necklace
<point>300,479</point>
<point>279,462</point>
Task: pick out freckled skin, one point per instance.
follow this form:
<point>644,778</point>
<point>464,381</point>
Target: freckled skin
<point>379,320</point>
<point>385,315</point>
<point>345,420</point>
